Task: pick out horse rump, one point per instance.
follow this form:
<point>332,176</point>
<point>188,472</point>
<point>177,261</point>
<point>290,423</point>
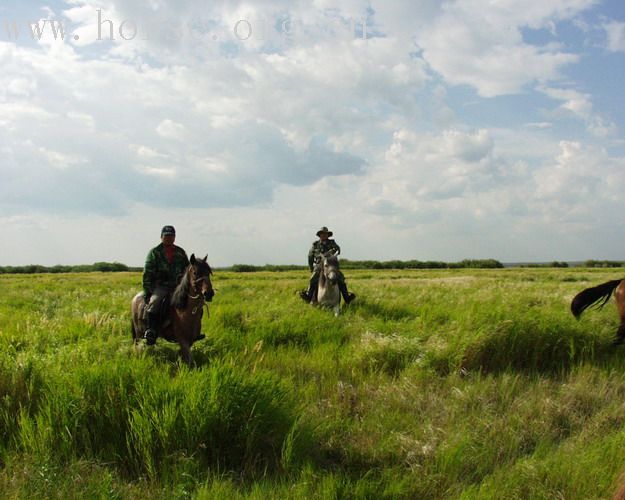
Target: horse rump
<point>597,295</point>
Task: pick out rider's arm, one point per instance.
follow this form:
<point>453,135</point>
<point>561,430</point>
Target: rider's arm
<point>311,257</point>
<point>149,273</point>
<point>336,248</point>
<point>186,259</point>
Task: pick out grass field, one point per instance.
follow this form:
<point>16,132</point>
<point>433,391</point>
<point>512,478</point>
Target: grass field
<point>433,384</point>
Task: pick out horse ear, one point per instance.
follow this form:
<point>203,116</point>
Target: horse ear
<point>192,259</point>
<point>206,257</point>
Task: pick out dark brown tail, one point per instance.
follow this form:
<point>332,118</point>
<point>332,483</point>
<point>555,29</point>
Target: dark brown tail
<point>592,296</point>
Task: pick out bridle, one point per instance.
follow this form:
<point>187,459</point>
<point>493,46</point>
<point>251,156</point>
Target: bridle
<point>199,294</point>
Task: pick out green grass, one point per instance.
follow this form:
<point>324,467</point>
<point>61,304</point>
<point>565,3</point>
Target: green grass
<point>433,384</point>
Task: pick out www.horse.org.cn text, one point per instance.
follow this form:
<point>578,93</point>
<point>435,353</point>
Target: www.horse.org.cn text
<point>257,29</point>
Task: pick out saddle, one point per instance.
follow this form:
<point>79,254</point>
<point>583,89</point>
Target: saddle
<point>164,312</point>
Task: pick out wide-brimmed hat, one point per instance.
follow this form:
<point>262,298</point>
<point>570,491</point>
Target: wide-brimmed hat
<point>325,230</point>
<point>168,230</point>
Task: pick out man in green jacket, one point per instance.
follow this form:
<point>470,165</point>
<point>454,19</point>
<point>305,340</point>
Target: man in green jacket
<point>320,247</point>
<point>164,267</point>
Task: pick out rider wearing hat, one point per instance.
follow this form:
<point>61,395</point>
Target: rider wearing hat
<point>164,266</point>
<point>320,247</point>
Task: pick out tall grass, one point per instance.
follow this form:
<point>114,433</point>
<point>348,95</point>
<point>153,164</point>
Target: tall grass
<point>433,384</point>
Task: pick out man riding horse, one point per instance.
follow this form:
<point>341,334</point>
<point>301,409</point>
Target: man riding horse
<point>323,245</point>
<point>164,266</point>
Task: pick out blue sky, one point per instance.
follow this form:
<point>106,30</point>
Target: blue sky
<point>458,129</point>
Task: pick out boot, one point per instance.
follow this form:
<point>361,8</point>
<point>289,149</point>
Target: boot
<point>311,293</point>
<point>152,332</point>
<point>347,296</point>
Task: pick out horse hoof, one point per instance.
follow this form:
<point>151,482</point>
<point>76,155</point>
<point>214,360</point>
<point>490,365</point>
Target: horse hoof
<point>618,341</point>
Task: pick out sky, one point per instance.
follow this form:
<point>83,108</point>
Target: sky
<point>413,129</point>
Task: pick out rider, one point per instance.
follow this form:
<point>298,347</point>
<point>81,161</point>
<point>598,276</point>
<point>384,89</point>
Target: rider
<point>164,266</point>
<point>323,245</point>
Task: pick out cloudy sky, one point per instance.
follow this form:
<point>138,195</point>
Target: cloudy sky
<point>420,129</point>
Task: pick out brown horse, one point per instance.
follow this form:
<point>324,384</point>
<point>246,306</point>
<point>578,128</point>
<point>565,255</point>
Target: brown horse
<point>185,314</point>
<point>599,295</point>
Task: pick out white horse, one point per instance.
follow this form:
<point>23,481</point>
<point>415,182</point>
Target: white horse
<point>328,293</point>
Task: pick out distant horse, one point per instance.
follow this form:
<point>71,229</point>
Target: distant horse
<point>185,312</point>
<point>328,293</point>
<point>599,295</point>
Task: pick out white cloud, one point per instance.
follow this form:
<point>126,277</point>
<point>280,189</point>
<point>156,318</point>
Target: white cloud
<point>171,130</point>
<point>59,160</point>
<point>580,105</point>
<point>615,32</point>
<point>482,44</point>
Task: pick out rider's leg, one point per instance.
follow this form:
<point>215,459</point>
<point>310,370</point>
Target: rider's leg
<point>154,315</point>
<point>152,332</point>
<point>311,293</point>
<point>347,296</point>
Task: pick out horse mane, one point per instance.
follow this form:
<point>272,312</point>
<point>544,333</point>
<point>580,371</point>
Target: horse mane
<point>183,290</point>
<point>181,293</point>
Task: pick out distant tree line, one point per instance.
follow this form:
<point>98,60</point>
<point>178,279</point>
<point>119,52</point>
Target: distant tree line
<point>555,263</point>
<point>104,267</point>
<point>418,264</point>
<point>374,264</point>
<point>112,267</point>
<point>603,263</point>
<point>249,268</point>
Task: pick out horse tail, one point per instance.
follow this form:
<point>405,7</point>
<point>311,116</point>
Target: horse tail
<point>592,296</point>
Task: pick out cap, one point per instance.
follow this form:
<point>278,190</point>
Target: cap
<point>168,230</point>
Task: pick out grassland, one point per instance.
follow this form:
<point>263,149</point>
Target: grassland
<point>434,384</point>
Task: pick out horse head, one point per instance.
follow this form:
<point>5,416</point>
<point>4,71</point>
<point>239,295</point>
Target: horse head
<point>331,267</point>
<point>200,277</point>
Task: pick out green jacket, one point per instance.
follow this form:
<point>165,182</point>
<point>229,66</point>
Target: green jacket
<point>159,272</point>
<point>318,248</point>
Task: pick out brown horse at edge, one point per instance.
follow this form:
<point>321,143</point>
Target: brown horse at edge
<point>599,296</point>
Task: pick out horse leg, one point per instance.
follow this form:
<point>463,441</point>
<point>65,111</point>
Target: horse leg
<point>185,352</point>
